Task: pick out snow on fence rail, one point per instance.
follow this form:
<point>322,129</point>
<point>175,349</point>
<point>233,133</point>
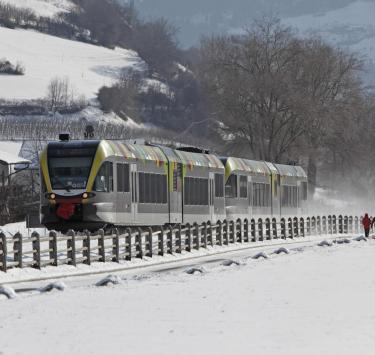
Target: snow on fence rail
<point>74,248</point>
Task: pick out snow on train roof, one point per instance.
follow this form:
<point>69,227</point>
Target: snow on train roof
<point>160,154</point>
<point>253,166</point>
<point>290,170</point>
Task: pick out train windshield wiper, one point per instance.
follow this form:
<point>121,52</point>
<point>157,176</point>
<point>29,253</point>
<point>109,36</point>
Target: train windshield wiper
<point>65,187</point>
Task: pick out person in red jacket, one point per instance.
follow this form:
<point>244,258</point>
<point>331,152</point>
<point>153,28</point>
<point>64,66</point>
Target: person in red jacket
<point>366,222</point>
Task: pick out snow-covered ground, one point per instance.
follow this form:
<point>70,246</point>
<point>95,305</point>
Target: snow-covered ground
<point>312,301</point>
<point>47,8</point>
<point>20,227</point>
<point>88,67</point>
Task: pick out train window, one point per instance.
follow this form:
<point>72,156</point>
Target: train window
<point>196,191</point>
<point>104,178</point>
<point>243,186</point>
<point>289,196</point>
<point>152,188</point>
<point>261,195</point>
<point>120,178</point>
<point>219,185</point>
<point>123,183</point>
<point>231,187</point>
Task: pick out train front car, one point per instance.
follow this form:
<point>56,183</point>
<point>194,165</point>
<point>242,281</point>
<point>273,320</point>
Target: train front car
<point>70,171</point>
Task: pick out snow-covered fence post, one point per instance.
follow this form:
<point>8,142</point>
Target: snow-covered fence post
<point>334,224</point>
<point>318,225</point>
<point>138,244</point>
<point>340,229</point>
<point>283,228</point>
<point>260,229</point>
<point>196,243</point>
<point>35,237</point>
<point>329,223</point>
<point>295,227</point>
<point>356,224</point>
<point>116,246</point>
<point>188,237</point>
<point>313,225</point>
<point>101,247</point>
<point>233,232</point>
<point>274,228</point>
<point>161,242</point>
<point>170,240</point>
<point>290,228</point>
<point>226,232</point>
<point>351,229</point>
<point>210,236</point>
<point>308,226</point>
<point>204,225</point>
<point>246,230</point>
<point>149,242</point>
<point>17,249</point>
<point>346,224</point>
<point>324,223</point>
<point>268,229</point>
<point>240,230</point>
<point>3,252</point>
<point>71,248</point>
<point>53,248</point>
<point>253,231</point>
<point>128,244</point>
<point>86,250</point>
<point>219,232</point>
<point>302,227</point>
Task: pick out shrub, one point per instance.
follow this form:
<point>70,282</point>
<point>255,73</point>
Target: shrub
<point>6,67</point>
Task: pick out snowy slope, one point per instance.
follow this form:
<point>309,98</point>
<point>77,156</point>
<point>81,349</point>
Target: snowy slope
<point>47,8</point>
<point>351,27</point>
<point>312,301</point>
<point>44,57</point>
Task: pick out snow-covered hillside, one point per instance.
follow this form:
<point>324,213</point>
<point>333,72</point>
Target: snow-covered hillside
<point>47,8</point>
<point>351,27</point>
<point>44,57</point>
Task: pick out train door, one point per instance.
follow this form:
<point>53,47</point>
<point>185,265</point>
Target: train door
<point>120,197</point>
<point>275,197</point>
<point>134,192</point>
<point>211,192</point>
<point>250,196</point>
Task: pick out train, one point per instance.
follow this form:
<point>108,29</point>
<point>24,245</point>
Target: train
<point>106,184</point>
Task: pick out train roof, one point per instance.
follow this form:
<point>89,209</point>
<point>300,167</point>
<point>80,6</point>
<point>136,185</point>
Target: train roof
<point>290,170</point>
<point>252,166</point>
<point>161,153</point>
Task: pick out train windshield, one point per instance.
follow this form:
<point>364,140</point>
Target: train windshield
<point>69,166</point>
<point>69,173</point>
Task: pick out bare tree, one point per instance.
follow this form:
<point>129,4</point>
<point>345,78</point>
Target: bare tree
<point>270,89</point>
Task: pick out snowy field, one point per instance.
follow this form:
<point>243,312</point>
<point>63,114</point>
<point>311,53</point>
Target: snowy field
<point>312,301</point>
<point>47,8</point>
<point>88,67</point>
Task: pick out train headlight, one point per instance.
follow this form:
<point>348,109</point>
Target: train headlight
<point>87,195</point>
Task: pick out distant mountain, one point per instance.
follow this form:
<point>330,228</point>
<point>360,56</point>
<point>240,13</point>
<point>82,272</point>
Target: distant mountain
<point>351,27</point>
<point>195,18</point>
<point>347,23</point>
